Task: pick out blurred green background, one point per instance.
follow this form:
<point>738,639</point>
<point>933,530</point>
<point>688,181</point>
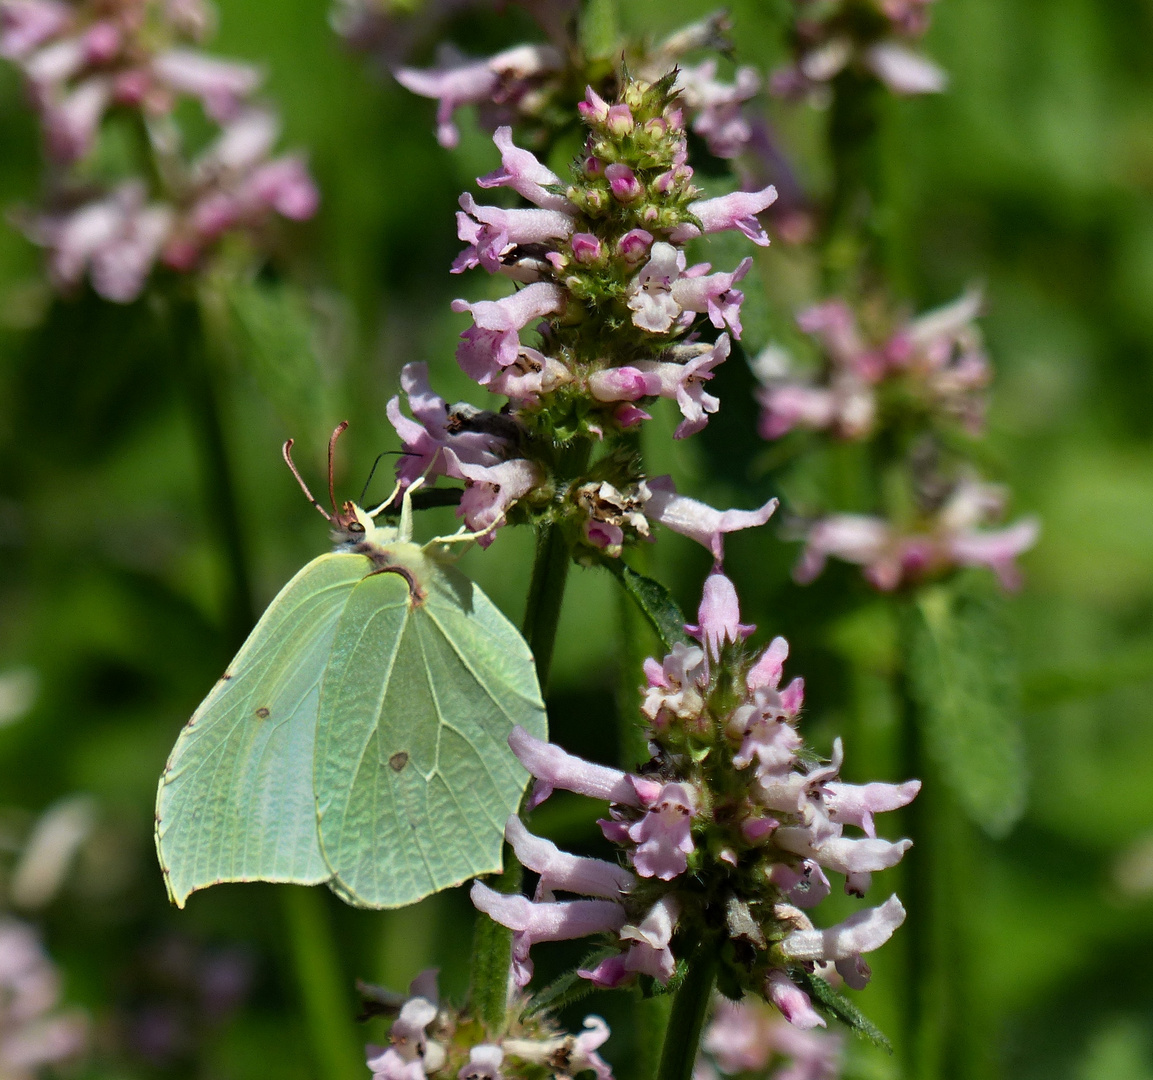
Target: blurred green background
<point>1033,175</point>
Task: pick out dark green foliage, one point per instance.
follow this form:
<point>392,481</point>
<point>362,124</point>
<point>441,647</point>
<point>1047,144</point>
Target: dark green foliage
<point>963,678</point>
<point>835,1004</point>
<point>654,600</point>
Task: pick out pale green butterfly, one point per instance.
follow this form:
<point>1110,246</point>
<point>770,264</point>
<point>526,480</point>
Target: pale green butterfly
<point>359,737</point>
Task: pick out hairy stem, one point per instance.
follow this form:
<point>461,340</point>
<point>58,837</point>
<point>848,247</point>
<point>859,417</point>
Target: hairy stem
<point>687,1017</point>
<point>327,1009</point>
<point>545,596</point>
<point>195,370</point>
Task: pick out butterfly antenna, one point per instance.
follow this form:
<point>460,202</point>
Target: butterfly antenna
<point>371,474</point>
<point>286,450</point>
<point>336,434</point>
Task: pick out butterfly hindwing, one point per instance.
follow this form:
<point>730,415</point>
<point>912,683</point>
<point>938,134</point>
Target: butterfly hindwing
<point>236,800</point>
<point>414,778</point>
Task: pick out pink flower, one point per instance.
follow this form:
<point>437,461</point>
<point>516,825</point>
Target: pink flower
<point>855,804</point>
<point>490,490</point>
<point>650,293</point>
<point>719,616</point>
<point>521,171</point>
<point>554,768</point>
<point>793,1002</point>
<point>25,25</point>
<point>649,953</point>
<point>737,210</point>
<point>622,183</point>
<point>698,521</point>
<point>714,294</point>
<point>685,384</point>
<point>434,429</point>
<point>493,342</point>
<point>860,933</point>
<point>904,71</point>
<point>221,85</point>
<point>663,836</point>
<point>717,106</point>
<point>554,921</point>
<point>623,384</point>
<point>459,81</point>
<point>492,233</point>
<point>560,870</point>
<point>747,1036</point>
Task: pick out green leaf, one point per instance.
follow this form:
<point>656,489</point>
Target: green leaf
<point>964,682</point>
<point>836,1004</point>
<point>414,777</point>
<point>654,600</point>
<point>568,987</point>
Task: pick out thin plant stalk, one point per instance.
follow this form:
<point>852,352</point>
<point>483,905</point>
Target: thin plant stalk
<point>327,1008</point>
<point>687,1016</point>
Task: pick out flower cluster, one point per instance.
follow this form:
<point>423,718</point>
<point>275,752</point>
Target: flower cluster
<point>90,64</point>
<point>905,386</point>
<point>601,261</point>
<point>869,36</point>
<point>431,1038</point>
<point>33,1033</point>
<point>727,833</point>
<point>527,85</point>
<point>749,1037</point>
<point>934,364</point>
<point>951,536</point>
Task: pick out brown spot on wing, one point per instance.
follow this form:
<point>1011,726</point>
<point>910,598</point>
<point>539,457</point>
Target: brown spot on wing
<point>264,712</point>
<point>398,761</point>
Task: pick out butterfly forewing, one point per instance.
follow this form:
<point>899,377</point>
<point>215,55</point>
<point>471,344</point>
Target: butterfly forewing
<point>414,777</point>
<point>236,800</point>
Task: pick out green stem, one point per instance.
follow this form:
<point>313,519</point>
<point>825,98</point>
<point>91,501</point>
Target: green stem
<point>687,1018</point>
<point>196,372</point>
<point>327,1010</point>
<point>546,595</point>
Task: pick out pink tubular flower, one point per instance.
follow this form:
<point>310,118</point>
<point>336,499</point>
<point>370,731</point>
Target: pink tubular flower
<point>714,294</point>
<point>521,171</point>
<point>650,293</point>
<point>560,870</point>
<point>623,384</point>
<point>492,233</point>
<point>221,85</point>
<point>698,521</point>
<point>35,1033</point>
<point>717,106</point>
<point>860,933</point>
<point>499,79</point>
<point>553,768</point>
<point>490,490</point>
<point>719,616</point>
<point>493,342</point>
<point>554,921</point>
<point>737,210</point>
<point>25,25</point>
<point>746,1036</point>
<point>793,1002</point>
<point>904,71</point>
<point>684,383</point>
<point>663,836</point>
<point>435,429</point>
<point>951,538</point>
